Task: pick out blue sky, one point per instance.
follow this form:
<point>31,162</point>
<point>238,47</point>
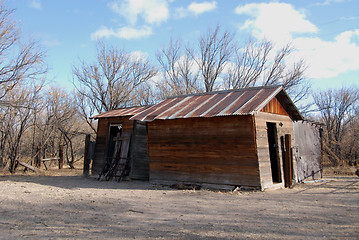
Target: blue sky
<point>325,33</point>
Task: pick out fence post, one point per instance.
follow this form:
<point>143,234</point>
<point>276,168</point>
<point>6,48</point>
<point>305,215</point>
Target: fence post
<point>86,169</point>
<point>61,156</point>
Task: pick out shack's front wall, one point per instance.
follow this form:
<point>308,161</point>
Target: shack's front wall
<point>102,140</point>
<point>217,150</point>
<point>284,125</point>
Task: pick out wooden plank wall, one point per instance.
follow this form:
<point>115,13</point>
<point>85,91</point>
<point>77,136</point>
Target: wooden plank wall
<point>218,150</point>
<point>139,153</point>
<point>274,106</point>
<point>308,153</point>
<point>284,126</point>
<point>100,147</point>
<point>102,140</point>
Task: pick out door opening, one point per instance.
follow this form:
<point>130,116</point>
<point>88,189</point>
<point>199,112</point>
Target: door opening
<point>273,152</point>
<point>115,129</point>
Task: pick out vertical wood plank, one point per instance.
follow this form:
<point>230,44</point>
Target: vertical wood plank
<point>86,169</point>
<point>288,161</point>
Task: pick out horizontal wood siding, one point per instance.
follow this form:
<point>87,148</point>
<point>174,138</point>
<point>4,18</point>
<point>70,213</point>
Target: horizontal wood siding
<point>284,126</point>
<point>218,150</point>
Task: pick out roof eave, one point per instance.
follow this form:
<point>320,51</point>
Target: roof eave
<point>293,112</point>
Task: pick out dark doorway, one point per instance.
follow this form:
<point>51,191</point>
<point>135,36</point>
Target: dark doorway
<point>117,164</point>
<point>115,129</point>
<point>273,152</point>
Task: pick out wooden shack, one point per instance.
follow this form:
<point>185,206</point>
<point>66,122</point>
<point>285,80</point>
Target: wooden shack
<point>239,138</point>
<point>122,140</point>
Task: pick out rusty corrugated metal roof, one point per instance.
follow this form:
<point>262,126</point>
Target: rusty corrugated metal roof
<point>223,103</point>
<point>129,111</point>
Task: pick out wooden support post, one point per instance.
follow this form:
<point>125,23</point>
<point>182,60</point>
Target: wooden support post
<point>61,156</point>
<point>288,172</point>
<point>321,151</point>
<point>86,170</point>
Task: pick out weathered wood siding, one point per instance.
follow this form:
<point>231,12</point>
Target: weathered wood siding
<point>274,106</point>
<point>284,126</point>
<point>218,150</point>
<point>139,153</point>
<point>308,152</point>
<point>100,146</point>
<point>102,140</point>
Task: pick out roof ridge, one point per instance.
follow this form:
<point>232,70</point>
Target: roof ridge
<point>227,91</point>
<point>124,111</point>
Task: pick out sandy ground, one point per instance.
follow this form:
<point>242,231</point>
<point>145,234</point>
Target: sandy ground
<point>73,207</point>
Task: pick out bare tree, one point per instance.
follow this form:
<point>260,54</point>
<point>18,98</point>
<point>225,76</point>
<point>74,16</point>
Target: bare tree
<point>339,112</point>
<point>220,63</point>
<point>178,70</point>
<point>215,50</point>
<point>147,93</point>
<point>18,61</point>
<point>350,142</point>
<point>110,82</point>
<point>248,65</point>
<point>62,110</point>
<point>54,124</point>
<point>18,119</point>
<point>260,64</point>
<point>21,66</point>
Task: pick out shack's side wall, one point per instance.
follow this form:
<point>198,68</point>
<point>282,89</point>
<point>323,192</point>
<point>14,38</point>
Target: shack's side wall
<point>308,153</point>
<point>139,153</point>
<point>217,150</point>
<point>100,146</point>
<point>261,119</point>
<point>102,139</point>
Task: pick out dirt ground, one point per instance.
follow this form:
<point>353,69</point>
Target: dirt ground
<point>68,206</point>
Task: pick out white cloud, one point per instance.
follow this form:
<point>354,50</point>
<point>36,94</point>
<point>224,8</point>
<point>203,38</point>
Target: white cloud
<point>328,2</point>
<point>199,8</point>
<point>152,11</point>
<point>195,9</point>
<point>328,59</point>
<point>281,23</point>
<point>131,33</point>
<point>186,60</point>
<point>124,33</point>
<point>103,32</point>
<point>275,21</point>
<point>35,4</point>
<point>139,55</point>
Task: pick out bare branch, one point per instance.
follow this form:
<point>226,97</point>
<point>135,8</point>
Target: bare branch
<point>111,82</point>
<point>215,50</point>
